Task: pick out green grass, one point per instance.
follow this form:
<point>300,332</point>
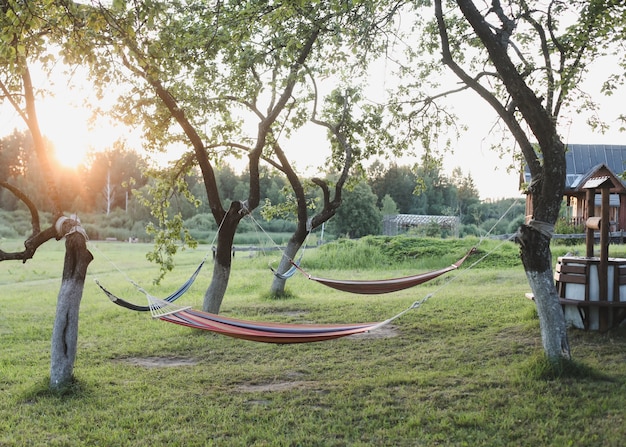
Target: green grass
<point>466,369</point>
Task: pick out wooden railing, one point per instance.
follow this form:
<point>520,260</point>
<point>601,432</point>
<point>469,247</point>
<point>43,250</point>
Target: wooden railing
<point>616,237</point>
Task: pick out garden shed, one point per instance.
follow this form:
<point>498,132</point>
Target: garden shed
<point>402,223</point>
<point>583,162</point>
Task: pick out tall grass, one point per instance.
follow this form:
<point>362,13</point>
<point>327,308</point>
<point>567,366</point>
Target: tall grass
<point>465,369</point>
<point>376,252</point>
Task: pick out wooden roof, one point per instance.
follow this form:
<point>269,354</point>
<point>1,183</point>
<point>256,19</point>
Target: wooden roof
<point>416,220</point>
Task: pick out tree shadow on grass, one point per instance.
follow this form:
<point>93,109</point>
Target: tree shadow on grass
<point>539,367</point>
<point>76,389</point>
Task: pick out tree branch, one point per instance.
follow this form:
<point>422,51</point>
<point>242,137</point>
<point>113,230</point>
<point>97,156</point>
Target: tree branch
<point>508,118</point>
<point>37,237</point>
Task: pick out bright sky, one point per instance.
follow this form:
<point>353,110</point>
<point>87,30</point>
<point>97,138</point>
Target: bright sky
<point>65,122</point>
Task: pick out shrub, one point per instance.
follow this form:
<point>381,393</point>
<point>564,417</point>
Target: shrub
<point>563,226</point>
<point>382,251</point>
<point>201,222</point>
<point>515,224</point>
<point>7,232</point>
<point>139,230</point>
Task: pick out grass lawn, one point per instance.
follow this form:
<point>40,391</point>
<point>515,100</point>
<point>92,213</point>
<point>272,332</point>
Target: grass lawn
<point>465,369</point>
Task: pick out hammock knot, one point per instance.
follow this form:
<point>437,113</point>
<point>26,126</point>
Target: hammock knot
<point>418,303</point>
<point>244,207</point>
<point>76,227</point>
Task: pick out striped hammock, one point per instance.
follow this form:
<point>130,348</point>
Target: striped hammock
<point>281,333</point>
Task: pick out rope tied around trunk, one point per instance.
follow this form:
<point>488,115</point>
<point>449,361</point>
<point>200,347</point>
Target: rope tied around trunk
<point>545,228</point>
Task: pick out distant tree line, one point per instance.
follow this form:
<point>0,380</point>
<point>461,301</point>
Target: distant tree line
<point>103,192</point>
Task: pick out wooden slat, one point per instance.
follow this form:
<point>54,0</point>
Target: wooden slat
<point>570,279</point>
<point>568,268</point>
<point>581,303</point>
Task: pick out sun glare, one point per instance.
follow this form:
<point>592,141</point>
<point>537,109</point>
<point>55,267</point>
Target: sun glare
<point>68,150</point>
<point>72,138</point>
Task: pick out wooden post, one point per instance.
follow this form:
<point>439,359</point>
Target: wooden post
<point>605,184</point>
<point>589,237</point>
<point>603,268</point>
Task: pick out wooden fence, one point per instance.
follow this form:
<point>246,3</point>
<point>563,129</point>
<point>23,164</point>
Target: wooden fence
<point>615,237</point>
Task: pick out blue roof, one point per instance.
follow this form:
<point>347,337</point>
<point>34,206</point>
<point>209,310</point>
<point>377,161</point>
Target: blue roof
<point>582,159</point>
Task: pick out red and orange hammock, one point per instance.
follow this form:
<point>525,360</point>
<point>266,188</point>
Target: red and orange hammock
<point>260,331</point>
<point>249,329</point>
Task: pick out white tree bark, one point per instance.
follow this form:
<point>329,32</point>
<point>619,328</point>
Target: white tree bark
<point>551,321</point>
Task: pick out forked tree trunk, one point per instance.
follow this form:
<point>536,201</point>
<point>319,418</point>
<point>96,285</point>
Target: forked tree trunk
<point>65,331</point>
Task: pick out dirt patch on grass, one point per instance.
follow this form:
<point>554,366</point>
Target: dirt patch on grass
<point>170,362</point>
<point>159,362</point>
<point>276,386</point>
<point>388,331</point>
<point>291,380</point>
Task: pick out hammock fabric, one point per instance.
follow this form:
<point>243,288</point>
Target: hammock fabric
<point>374,287</point>
<point>288,274</point>
<point>262,332</point>
<point>294,266</point>
<point>170,299</point>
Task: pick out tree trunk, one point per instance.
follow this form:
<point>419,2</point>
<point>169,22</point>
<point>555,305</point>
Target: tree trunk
<point>537,260</point>
<point>278,284</point>
<point>223,259</point>
<point>217,289</point>
<point>65,331</point>
<point>548,176</point>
